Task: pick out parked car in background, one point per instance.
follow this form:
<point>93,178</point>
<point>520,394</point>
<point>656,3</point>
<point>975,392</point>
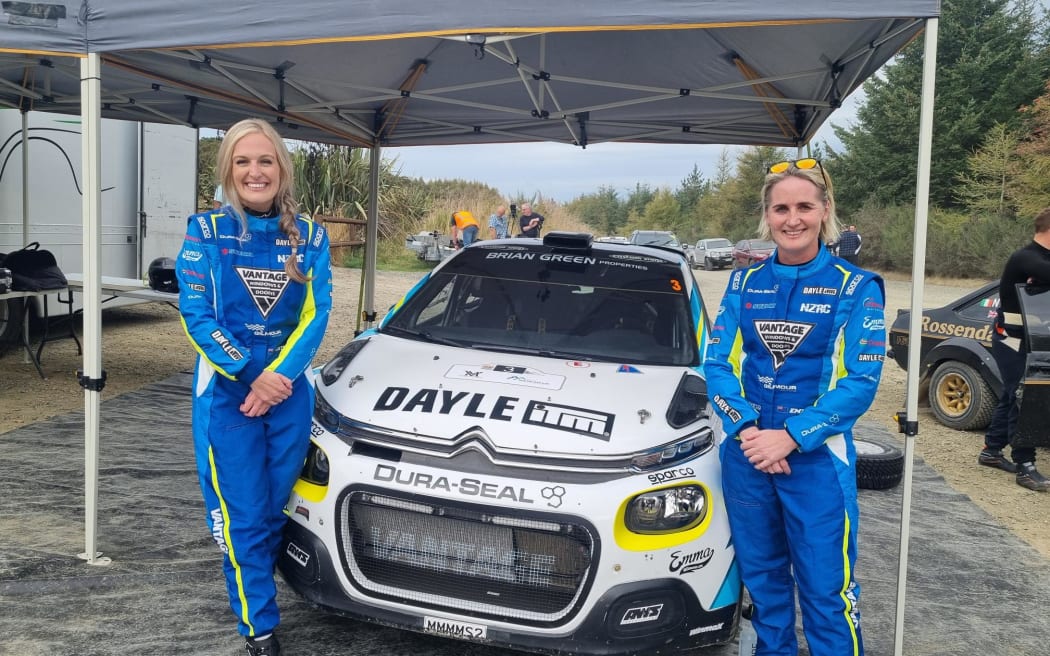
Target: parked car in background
<point>613,239</point>
<point>714,253</point>
<point>662,238</point>
<point>748,251</point>
<point>543,476</point>
<point>958,374</point>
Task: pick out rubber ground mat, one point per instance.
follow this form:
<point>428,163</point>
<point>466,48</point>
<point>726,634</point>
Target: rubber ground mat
<point>973,587</point>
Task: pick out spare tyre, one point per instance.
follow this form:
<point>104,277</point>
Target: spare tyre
<point>880,463</point>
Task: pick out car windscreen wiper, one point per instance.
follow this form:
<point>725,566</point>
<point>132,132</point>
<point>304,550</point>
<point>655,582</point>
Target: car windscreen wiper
<point>545,353</point>
<point>421,335</point>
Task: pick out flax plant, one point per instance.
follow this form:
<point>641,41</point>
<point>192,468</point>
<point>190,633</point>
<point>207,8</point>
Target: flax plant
<point>333,180</point>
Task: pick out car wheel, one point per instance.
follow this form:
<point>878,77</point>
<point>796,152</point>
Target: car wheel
<point>707,264</point>
<point>960,398</point>
<point>880,463</point>
<point>10,319</point>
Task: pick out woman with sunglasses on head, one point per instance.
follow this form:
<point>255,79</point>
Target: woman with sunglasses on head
<point>255,286</point>
<point>796,359</point>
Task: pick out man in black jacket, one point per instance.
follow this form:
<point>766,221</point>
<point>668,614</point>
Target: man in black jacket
<point>529,222</point>
<point>1030,264</point>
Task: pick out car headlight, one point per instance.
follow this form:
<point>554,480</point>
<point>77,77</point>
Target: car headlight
<point>679,451</point>
<point>316,468</point>
<point>337,365</point>
<point>325,414</point>
<point>668,510</point>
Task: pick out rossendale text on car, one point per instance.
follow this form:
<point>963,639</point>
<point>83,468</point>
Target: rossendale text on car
<point>982,334</point>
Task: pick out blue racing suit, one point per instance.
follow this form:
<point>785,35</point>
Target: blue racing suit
<point>243,314</point>
<point>798,348</point>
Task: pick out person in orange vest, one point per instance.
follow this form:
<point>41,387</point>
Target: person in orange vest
<point>464,228</point>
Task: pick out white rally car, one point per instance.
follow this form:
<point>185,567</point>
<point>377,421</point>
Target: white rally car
<point>523,454</point>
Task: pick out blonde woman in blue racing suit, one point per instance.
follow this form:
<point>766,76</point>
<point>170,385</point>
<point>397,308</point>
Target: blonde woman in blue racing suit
<point>794,360</point>
<point>255,293</point>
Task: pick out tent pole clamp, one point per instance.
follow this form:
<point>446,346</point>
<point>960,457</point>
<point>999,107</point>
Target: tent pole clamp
<point>91,384</point>
<point>908,427</point>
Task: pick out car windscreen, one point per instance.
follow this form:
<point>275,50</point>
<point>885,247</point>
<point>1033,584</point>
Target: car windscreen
<point>612,307</point>
<point>657,239</point>
<point>718,243</point>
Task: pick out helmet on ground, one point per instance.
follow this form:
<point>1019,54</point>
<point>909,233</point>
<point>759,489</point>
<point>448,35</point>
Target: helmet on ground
<point>162,275</point>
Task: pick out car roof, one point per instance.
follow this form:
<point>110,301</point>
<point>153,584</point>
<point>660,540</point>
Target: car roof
<point>617,250</point>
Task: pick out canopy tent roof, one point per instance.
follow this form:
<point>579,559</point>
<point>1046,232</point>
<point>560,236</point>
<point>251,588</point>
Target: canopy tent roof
<point>402,72</point>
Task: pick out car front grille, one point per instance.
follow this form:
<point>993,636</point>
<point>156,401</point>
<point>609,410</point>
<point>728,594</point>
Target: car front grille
<point>526,569</point>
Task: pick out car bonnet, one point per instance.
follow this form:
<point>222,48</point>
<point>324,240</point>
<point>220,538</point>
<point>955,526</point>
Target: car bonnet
<point>518,401</point>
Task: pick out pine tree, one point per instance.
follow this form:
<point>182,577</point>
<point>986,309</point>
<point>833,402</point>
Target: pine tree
<point>991,60</point>
<point>1032,186</point>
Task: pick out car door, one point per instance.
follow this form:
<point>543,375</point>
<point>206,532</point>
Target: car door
<point>1034,392</point>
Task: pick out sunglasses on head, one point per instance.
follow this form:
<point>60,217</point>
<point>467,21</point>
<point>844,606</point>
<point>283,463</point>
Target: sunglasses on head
<point>804,164</point>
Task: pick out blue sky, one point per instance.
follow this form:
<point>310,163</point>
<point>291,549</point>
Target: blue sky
<point>564,172</point>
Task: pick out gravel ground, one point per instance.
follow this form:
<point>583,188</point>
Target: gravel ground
<point>145,343</point>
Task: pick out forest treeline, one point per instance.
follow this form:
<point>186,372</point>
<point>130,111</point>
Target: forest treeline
<point>990,166</point>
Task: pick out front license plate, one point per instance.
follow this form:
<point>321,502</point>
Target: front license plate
<point>453,629</point>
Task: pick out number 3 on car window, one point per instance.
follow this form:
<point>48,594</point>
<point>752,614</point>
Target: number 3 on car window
<point>675,285</point>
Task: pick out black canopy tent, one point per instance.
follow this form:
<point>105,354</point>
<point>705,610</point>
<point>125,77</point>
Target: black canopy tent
<point>407,73</point>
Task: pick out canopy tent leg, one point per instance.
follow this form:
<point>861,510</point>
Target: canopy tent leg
<point>26,359</point>
<point>910,422</point>
<point>25,177</point>
<point>371,235</point>
<point>91,377</point>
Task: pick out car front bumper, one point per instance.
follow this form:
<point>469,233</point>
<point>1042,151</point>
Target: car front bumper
<point>529,559</point>
<point>660,616</point>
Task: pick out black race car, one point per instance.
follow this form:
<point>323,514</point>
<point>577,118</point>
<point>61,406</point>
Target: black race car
<point>960,375</point>
<point>958,371</point>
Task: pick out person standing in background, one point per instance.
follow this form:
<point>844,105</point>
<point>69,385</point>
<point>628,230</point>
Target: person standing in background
<point>499,224</point>
<point>849,244</point>
<point>529,223</point>
<point>1030,264</point>
<point>255,292</point>
<point>795,359</point>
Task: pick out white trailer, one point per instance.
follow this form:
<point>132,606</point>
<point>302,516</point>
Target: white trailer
<point>149,181</point>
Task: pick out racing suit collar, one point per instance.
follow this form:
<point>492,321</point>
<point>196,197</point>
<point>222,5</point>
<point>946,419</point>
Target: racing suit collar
<point>795,271</point>
<point>258,223</point>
